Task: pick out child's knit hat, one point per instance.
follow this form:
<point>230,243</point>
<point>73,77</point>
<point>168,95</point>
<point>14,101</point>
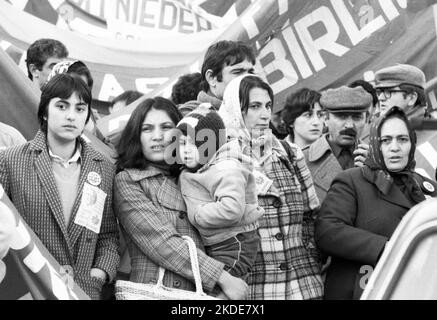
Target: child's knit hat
<point>204,118</point>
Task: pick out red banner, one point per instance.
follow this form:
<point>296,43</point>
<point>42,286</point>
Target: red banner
<point>29,270</point>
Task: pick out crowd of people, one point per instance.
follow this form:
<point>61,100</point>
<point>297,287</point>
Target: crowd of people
<point>283,202</point>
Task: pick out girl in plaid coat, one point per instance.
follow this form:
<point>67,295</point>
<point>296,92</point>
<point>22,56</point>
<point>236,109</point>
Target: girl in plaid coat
<point>151,210</point>
<point>287,265</point>
<point>63,188</point>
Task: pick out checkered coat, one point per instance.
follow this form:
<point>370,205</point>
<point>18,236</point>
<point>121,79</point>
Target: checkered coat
<point>153,218</point>
<point>287,265</point>
<point>27,177</point>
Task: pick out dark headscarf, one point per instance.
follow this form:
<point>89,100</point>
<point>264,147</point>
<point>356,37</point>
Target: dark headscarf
<point>380,175</point>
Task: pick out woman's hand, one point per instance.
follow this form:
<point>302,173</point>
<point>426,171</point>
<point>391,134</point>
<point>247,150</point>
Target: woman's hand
<point>234,288</point>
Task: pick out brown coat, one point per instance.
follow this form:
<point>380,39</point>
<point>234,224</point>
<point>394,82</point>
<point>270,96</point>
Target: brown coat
<point>323,165</point>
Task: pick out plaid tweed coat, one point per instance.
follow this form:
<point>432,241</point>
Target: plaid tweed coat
<point>153,218</point>
<point>27,177</point>
<point>287,266</point>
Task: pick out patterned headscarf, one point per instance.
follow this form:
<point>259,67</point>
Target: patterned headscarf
<point>232,116</point>
<point>381,176</point>
<point>375,160</point>
<point>62,67</point>
<point>230,111</point>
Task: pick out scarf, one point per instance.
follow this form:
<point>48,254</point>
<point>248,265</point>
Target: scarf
<point>380,175</point>
<point>260,149</point>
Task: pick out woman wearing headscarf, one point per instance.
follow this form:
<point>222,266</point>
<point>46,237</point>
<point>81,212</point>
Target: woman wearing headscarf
<point>365,205</point>
<point>287,265</point>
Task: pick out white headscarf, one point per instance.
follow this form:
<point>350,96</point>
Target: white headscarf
<point>231,113</point>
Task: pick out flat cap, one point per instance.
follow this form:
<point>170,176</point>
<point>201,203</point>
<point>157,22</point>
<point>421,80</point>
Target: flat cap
<point>400,74</point>
<point>345,99</point>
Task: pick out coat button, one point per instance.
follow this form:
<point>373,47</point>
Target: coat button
<point>182,215</point>
<point>279,236</point>
<point>89,240</point>
<point>176,284</point>
<point>277,203</point>
<point>68,270</point>
<point>283,266</point>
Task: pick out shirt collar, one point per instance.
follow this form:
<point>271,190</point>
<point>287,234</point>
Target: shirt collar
<point>66,163</point>
<point>335,148</point>
<point>151,171</point>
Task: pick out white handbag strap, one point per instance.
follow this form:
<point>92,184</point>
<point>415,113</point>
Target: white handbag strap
<point>194,266</point>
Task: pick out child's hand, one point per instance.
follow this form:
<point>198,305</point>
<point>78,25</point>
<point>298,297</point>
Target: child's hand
<point>234,288</point>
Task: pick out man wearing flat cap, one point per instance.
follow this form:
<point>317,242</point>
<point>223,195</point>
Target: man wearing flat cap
<point>400,85</point>
<point>339,149</point>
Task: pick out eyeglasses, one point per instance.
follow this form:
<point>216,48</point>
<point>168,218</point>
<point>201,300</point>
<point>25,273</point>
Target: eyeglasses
<point>387,92</point>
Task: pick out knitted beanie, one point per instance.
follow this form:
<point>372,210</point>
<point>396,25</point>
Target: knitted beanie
<point>204,118</point>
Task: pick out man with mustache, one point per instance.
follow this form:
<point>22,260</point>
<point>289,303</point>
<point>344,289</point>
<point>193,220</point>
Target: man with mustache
<point>340,149</point>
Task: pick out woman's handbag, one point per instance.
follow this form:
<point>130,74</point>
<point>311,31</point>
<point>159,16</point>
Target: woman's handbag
<point>127,290</point>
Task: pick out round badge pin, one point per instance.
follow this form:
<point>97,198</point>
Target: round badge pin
<point>428,186</point>
<point>94,178</point>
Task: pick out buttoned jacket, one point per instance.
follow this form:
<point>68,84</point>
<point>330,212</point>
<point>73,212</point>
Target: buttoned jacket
<point>354,223</point>
<point>323,165</point>
<point>153,218</point>
<point>27,177</point>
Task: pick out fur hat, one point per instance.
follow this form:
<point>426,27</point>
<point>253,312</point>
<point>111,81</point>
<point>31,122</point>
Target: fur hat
<point>204,118</point>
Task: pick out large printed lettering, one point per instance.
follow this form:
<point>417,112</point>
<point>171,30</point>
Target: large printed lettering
<point>157,14</point>
<point>390,9</point>
<point>327,42</point>
<point>355,34</point>
<point>296,52</point>
<point>279,70</point>
<point>319,31</point>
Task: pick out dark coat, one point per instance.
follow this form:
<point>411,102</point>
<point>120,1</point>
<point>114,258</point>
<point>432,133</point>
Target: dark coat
<point>355,222</point>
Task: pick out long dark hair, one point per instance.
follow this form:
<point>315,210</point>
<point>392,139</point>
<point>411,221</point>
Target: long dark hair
<point>62,86</point>
<point>248,83</point>
<point>129,148</point>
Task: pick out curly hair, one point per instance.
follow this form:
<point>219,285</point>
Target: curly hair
<point>186,88</point>
<point>43,49</point>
